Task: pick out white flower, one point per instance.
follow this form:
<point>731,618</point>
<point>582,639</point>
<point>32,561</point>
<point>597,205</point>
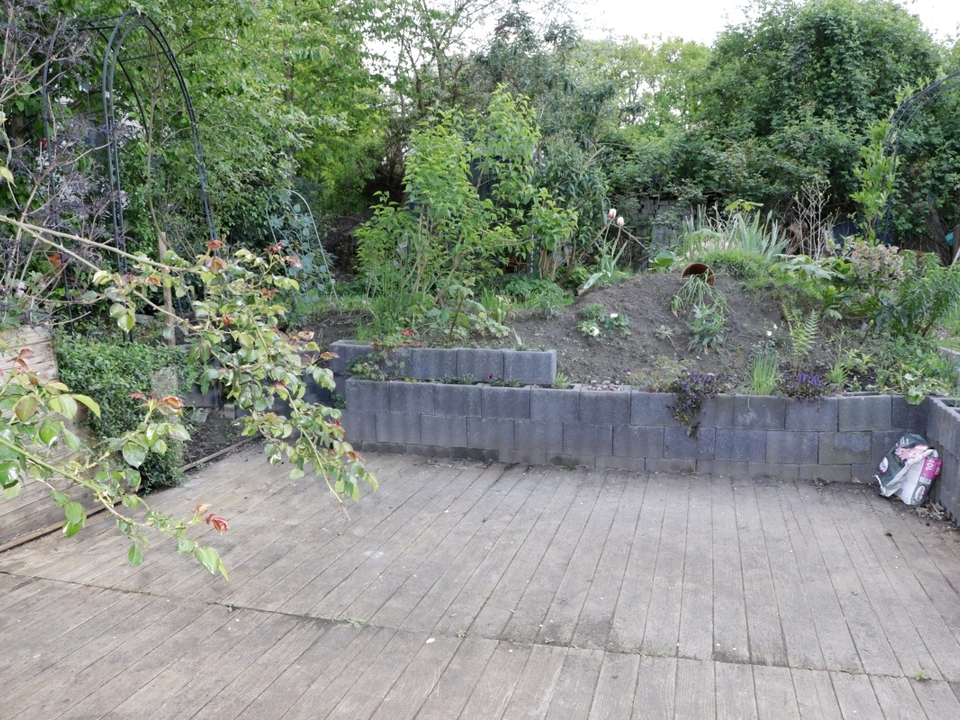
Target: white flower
<point>594,331</point>
<point>619,222</point>
<point>614,316</point>
<point>611,214</point>
<point>769,333</point>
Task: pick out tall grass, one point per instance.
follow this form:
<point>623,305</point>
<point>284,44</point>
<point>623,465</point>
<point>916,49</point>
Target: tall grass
<point>743,231</point>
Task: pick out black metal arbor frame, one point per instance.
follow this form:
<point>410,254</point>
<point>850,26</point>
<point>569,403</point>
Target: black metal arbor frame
<point>904,115</point>
<point>114,31</point>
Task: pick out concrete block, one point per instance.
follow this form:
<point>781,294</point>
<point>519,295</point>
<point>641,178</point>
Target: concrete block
<point>522,457</point>
<point>934,418</point>
<point>545,437</point>
<point>196,399</point>
<point>633,464</point>
<point>734,444</point>
<point>316,393</point>
<point>605,407</point>
<point>340,385</point>
<point>651,409</point>
<point>637,442</point>
<point>909,418</point>
<point>347,352</point>
<point>554,405</point>
<point>845,448</point>
<point>826,473</point>
<point>868,412</point>
<point>359,426</point>
<point>367,395</point>
<point>383,447</point>
<point>863,473</point>
<point>413,398</point>
<point>671,465</point>
<point>769,470</point>
<point>399,428</point>
<point>792,448</point>
<point>818,415</point>
<point>881,443</point>
<point>677,444</point>
<point>456,400</point>
<point>572,461</point>
<point>505,402</point>
<point>490,433</point>
<point>433,363</point>
<point>530,367</point>
<point>759,412</point>
<point>718,412</point>
<point>723,468</point>
<point>581,439</point>
<point>443,431</point>
<point>482,364</point>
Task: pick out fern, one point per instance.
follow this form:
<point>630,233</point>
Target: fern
<point>803,332</point>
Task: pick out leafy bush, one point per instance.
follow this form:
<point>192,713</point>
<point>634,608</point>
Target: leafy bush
<point>929,293</point>
<point>110,371</point>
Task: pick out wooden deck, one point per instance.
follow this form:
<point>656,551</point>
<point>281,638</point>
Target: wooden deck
<point>462,590</point>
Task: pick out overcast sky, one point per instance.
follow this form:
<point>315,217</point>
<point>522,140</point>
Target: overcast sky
<point>701,20</point>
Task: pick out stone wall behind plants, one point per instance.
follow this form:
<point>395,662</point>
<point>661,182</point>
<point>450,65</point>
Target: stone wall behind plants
<point>943,430</point>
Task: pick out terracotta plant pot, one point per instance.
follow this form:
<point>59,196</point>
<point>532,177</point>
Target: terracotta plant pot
<point>698,268</point>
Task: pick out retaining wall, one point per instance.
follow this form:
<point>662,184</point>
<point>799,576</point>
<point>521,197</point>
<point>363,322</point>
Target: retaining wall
<point>833,439</point>
<point>943,430</point>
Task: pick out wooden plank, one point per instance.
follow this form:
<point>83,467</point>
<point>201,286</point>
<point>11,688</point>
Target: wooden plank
<point>246,687</point>
<point>736,695</point>
<point>596,616</point>
<point>495,687</point>
<point>535,686</point>
<point>312,683</point>
<point>135,675</point>
<point>901,620</point>
<point>800,502</point>
<point>417,680</point>
<point>616,685</point>
<point>447,606</point>
<point>629,620</point>
<point>527,555</point>
<point>937,699</point>
<point>795,608</point>
<point>530,620</point>
<point>855,696</point>
<point>495,486</point>
<point>730,640</point>
<point>661,632</point>
<point>763,619</point>
<point>458,680</point>
<point>696,604</point>
<point>384,572</point>
<point>696,693</point>
<point>580,573</point>
<point>574,693</point>
<point>209,681</point>
<point>815,695</point>
<point>656,694</point>
<point>776,696</point>
<point>896,698</point>
<point>456,599</point>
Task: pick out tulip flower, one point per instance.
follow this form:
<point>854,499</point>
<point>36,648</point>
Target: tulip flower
<point>619,222</point>
<point>611,214</point>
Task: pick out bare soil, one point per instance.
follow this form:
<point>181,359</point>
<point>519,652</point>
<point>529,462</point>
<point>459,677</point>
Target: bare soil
<point>657,338</point>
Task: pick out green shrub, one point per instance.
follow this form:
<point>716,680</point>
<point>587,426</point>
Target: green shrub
<point>110,371</point>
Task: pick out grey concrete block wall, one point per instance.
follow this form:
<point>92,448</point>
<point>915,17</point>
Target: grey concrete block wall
<point>943,431</point>
<point>753,436</point>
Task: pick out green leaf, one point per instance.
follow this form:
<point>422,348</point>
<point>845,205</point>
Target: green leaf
<point>74,513</point>
<point>135,555</point>
<point>6,174</point>
<point>134,454</point>
<point>68,406</point>
<point>49,431</point>
<point>9,493</point>
<point>185,546</point>
<point>60,498</point>
<point>9,474</point>
<point>71,440</point>
<point>91,404</point>
<point>208,557</point>
<point>70,529</point>
<point>126,322</point>
<point>26,408</point>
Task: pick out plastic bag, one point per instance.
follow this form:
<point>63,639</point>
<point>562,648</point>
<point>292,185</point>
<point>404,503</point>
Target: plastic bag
<point>909,469</point>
